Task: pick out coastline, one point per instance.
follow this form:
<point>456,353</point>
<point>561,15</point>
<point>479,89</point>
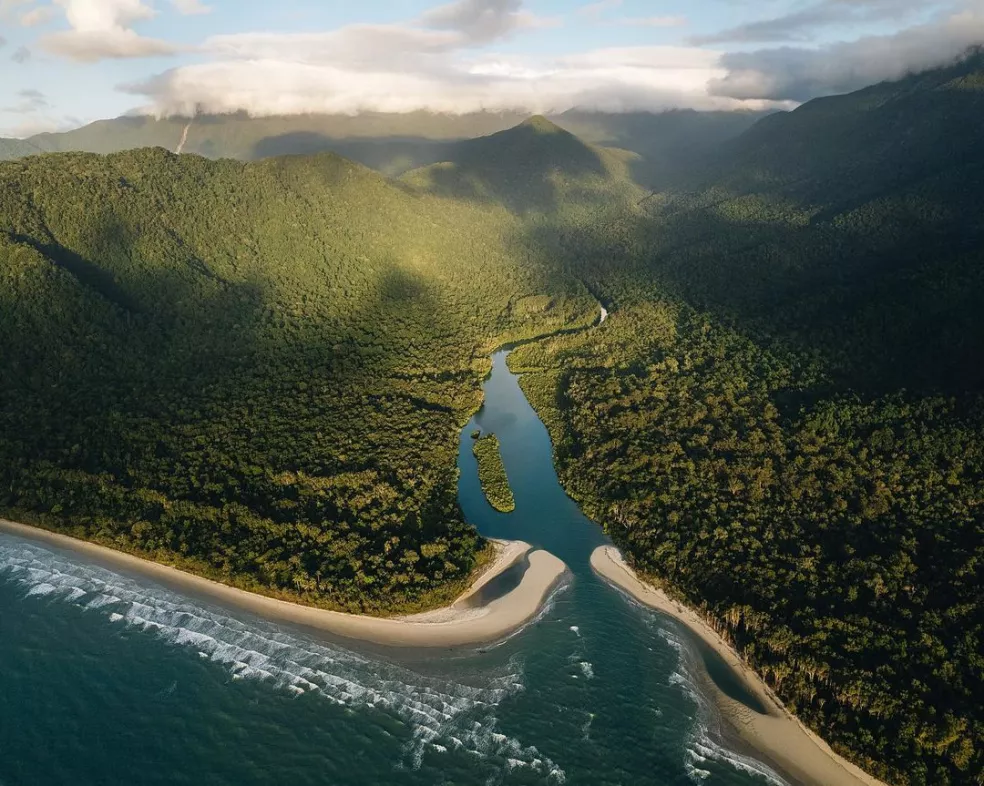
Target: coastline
<point>452,626</point>
<point>779,735</point>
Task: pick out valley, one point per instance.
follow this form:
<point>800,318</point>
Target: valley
<point>258,371</point>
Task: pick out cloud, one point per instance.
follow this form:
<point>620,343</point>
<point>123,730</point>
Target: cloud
<point>191,7</point>
<point>430,63</point>
<point>101,29</point>
<point>31,101</point>
<point>3,42</point>
<point>21,55</point>
<point>443,61</point>
<point>7,6</point>
<point>798,74</point>
<point>38,16</point>
<point>482,21</point>
<point>800,25</point>
<point>25,12</point>
<point>611,79</point>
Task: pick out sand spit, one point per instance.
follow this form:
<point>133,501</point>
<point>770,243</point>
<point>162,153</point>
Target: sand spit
<point>784,740</point>
<point>450,627</point>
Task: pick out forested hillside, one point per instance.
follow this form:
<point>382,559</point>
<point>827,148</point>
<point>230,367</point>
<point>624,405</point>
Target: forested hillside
<point>258,371</point>
<point>16,148</point>
<point>535,169</point>
<point>782,422</point>
<point>255,371</point>
<point>667,143</point>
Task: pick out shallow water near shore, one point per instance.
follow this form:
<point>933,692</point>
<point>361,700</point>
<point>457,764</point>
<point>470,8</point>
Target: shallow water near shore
<point>111,679</point>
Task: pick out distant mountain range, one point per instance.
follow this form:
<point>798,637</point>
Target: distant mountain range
<point>393,143</point>
<point>258,368</point>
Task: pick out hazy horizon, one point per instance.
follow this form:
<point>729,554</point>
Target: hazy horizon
<point>72,62</point>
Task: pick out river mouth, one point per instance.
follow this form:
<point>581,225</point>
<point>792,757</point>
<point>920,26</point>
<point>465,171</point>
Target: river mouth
<point>594,692</point>
<point>500,586</point>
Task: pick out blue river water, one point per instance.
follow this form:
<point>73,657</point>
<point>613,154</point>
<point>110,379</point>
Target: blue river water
<point>107,678</point>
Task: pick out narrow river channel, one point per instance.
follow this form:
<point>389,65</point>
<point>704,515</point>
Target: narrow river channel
<point>110,679</point>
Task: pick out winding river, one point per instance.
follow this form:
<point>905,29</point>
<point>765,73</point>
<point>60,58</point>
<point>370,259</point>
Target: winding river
<point>107,678</point>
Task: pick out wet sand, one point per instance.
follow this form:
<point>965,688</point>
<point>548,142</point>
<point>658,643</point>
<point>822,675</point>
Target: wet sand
<point>779,735</point>
<point>449,627</point>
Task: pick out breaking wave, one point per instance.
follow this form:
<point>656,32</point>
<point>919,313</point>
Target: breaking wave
<point>702,745</point>
<point>440,713</point>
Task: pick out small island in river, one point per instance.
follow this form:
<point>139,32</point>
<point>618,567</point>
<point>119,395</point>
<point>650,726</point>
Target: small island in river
<point>492,474</point>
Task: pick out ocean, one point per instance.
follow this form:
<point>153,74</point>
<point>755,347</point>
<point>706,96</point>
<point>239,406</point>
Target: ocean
<point>109,678</point>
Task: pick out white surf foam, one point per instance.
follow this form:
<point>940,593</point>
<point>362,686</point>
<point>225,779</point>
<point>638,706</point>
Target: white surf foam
<point>703,744</point>
<point>586,728</point>
<point>438,712</point>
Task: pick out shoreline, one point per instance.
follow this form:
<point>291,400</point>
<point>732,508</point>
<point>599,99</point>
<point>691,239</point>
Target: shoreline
<point>779,735</point>
<point>451,626</point>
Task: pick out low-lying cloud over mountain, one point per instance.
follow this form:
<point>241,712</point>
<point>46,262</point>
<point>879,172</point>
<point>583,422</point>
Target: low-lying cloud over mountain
<point>431,63</point>
<point>801,73</point>
<point>468,55</point>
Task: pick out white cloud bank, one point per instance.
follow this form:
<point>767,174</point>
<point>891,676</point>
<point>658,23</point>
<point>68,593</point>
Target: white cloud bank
<point>102,29</point>
<point>798,74</point>
<point>444,61</point>
<point>430,64</point>
<point>610,79</point>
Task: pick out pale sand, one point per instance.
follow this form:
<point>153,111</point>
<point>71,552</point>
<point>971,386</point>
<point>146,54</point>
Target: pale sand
<point>797,751</point>
<point>457,627</point>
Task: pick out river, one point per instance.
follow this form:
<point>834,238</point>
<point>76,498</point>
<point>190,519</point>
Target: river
<point>109,679</point>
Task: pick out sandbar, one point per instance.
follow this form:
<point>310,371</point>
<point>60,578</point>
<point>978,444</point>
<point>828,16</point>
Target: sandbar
<point>453,626</point>
<point>785,740</point>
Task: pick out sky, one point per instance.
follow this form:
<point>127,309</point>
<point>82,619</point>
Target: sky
<point>64,63</point>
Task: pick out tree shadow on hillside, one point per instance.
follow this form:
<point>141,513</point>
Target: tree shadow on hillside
<point>669,147</point>
<point>902,314</point>
<point>193,426</point>
<point>390,155</point>
<point>525,168</point>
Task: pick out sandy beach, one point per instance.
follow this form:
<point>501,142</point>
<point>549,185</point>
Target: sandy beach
<point>449,627</point>
<point>798,752</point>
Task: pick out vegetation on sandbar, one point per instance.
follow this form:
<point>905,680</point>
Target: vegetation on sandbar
<point>492,474</point>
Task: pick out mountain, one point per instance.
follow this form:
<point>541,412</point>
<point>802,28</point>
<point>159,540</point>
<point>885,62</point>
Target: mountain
<point>255,371</point>
<point>851,216</point>
<point>395,143</point>
<point>782,421</point>
<point>17,148</point>
<point>883,138</point>
<point>535,167</point>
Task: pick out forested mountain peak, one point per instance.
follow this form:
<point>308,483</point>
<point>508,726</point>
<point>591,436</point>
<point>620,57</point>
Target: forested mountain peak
<point>536,166</point>
<point>393,143</point>
<point>880,137</point>
<point>541,125</point>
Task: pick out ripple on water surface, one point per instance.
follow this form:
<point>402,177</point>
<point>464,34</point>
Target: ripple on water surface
<point>440,713</point>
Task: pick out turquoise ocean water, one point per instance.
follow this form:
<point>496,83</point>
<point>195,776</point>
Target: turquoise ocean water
<point>107,678</point>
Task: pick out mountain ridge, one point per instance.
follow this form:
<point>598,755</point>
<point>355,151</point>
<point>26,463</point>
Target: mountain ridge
<point>782,418</point>
<point>392,143</point>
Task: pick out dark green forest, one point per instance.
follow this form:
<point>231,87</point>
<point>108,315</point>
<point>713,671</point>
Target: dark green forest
<point>782,422</point>
<point>667,143</point>
<point>492,473</point>
<point>258,371</point>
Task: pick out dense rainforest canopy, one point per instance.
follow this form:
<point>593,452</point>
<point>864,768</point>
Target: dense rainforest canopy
<point>783,423</point>
<point>492,473</point>
<point>667,143</point>
<point>258,371</point>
